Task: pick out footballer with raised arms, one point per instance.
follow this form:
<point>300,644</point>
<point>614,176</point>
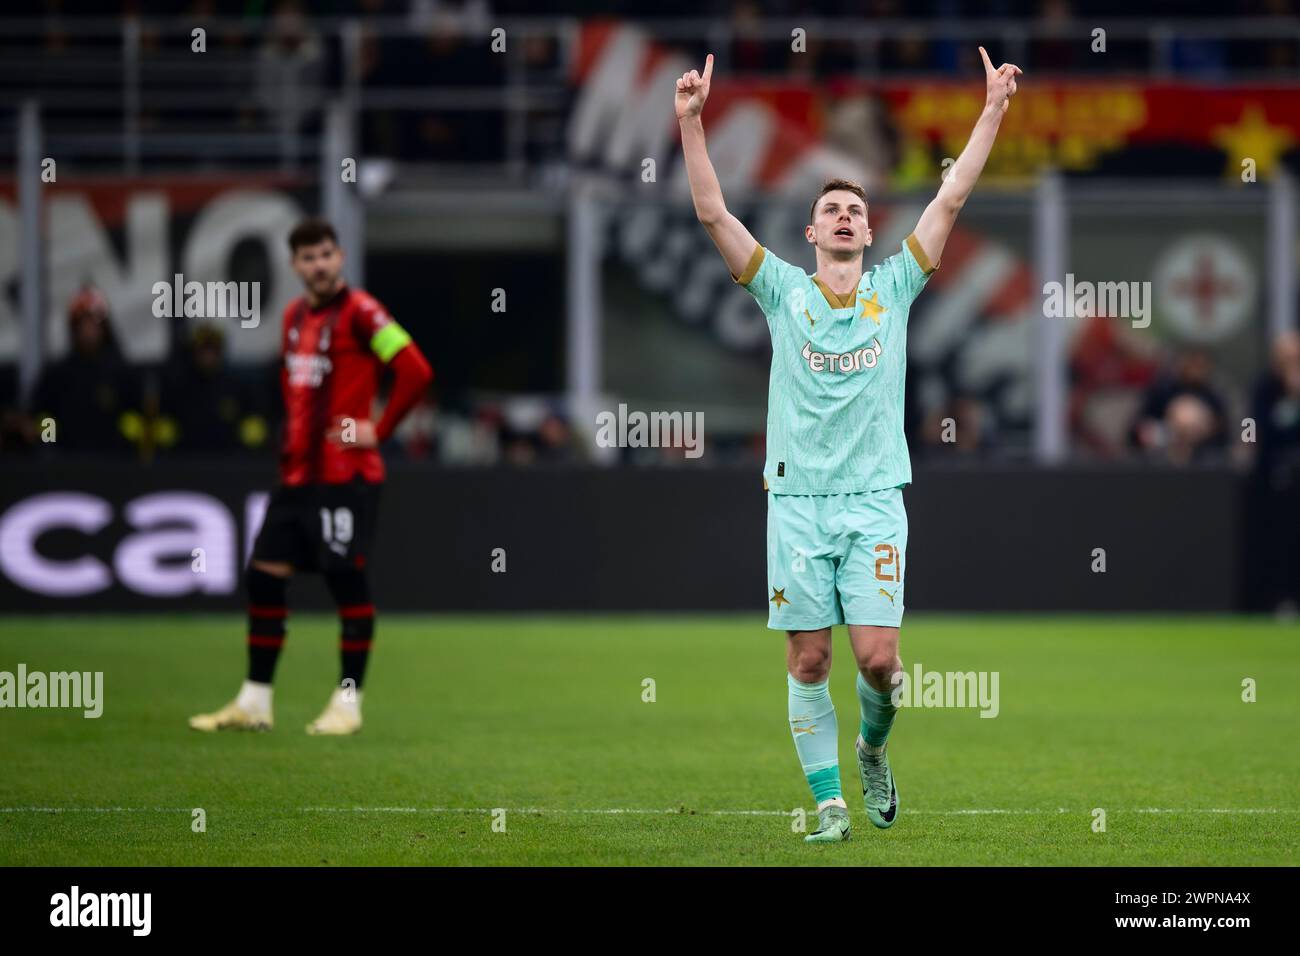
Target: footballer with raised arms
<point>837,458</point>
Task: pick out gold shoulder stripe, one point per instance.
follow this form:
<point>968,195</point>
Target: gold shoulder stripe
<point>922,259</point>
<point>751,270</point>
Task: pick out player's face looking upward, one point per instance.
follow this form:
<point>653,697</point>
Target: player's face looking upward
<point>839,226</point>
<point>320,267</point>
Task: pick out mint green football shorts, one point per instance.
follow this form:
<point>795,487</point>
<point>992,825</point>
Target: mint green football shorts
<point>835,559</point>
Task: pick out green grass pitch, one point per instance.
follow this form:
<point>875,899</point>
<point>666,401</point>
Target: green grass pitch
<point>544,717</point>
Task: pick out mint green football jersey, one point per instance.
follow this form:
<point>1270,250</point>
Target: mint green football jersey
<point>835,393</point>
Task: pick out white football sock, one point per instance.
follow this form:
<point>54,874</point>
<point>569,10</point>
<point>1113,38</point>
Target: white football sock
<point>254,697</point>
<point>348,701</point>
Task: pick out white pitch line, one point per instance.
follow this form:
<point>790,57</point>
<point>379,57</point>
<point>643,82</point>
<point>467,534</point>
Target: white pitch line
<point>644,811</point>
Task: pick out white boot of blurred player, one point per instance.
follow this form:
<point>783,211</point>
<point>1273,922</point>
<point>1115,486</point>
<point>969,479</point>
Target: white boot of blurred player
<point>342,715</point>
<point>250,710</point>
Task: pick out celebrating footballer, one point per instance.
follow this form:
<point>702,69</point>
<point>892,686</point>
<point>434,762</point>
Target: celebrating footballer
<point>837,458</point>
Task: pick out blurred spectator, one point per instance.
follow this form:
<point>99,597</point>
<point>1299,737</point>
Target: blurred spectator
<point>1183,416</point>
<point>87,393</point>
<point>962,424</point>
<point>471,16</point>
<point>750,53</point>
<point>417,435</point>
<point>1059,49</point>
<point>1108,371</point>
<point>204,406</point>
<point>437,47</point>
<point>910,53</point>
<point>555,440</point>
<point>1276,411</point>
<point>533,433</point>
<point>290,66</point>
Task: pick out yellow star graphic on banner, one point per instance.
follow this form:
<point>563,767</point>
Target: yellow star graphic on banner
<point>1253,137</point>
<point>871,307</point>
<point>778,597</point>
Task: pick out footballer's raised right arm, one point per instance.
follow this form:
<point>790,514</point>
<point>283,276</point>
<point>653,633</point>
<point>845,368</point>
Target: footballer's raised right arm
<point>727,232</point>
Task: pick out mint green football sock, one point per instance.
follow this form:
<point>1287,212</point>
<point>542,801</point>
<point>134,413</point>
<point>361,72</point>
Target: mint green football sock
<point>816,737</point>
<point>878,710</point>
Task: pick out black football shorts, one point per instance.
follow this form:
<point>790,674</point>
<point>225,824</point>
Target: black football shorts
<point>320,527</point>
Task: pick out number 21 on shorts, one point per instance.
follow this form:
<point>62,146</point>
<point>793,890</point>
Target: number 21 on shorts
<point>888,567</point>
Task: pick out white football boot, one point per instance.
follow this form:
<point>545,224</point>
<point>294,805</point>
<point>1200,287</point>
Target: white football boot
<point>251,710</point>
<point>342,715</point>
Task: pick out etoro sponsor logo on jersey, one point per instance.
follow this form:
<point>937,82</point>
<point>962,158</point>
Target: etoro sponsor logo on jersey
<point>844,362</point>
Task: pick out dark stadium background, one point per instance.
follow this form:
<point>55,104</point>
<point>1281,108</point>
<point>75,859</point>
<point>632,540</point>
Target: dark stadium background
<point>524,171</point>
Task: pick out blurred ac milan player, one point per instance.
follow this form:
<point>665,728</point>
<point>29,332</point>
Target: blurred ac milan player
<point>335,341</point>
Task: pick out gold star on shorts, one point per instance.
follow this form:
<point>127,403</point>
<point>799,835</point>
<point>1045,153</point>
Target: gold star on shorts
<point>778,597</point>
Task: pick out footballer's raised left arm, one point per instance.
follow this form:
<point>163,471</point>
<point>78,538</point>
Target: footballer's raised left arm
<point>937,221</point>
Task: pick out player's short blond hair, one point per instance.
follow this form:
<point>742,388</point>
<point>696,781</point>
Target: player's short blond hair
<point>830,186</point>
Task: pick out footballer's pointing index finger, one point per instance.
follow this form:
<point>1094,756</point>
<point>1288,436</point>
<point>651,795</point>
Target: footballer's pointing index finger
<point>988,64</point>
<point>708,67</point>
